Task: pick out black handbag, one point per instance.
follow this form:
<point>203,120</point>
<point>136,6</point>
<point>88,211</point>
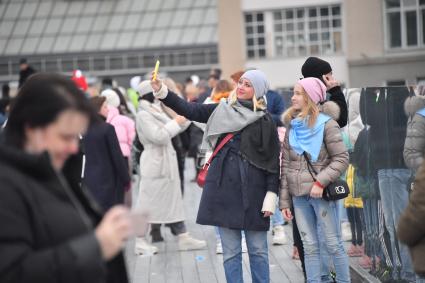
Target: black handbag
<point>334,191</point>
<point>411,183</point>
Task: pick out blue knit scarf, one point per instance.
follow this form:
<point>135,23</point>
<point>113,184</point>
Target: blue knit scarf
<point>302,138</point>
<point>421,112</point>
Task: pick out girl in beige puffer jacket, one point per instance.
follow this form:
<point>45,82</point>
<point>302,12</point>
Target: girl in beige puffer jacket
<point>319,136</point>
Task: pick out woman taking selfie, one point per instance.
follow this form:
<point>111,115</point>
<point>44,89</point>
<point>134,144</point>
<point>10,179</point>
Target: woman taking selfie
<point>242,182</point>
<point>312,136</point>
<point>159,188</point>
<point>52,232</point>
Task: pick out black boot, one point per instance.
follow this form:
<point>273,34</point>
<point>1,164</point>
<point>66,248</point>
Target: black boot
<point>156,233</point>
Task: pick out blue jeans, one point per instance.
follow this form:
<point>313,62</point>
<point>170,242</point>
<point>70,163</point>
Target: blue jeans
<point>325,259</point>
<point>256,242</point>
<point>394,198</point>
<point>217,233</point>
<point>277,218</point>
<point>310,213</point>
<point>342,211</point>
<point>371,220</point>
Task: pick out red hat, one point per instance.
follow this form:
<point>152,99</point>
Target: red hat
<point>79,80</point>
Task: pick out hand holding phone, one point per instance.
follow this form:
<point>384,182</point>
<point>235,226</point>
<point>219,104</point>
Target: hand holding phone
<point>330,81</point>
<point>139,223</point>
<point>155,71</point>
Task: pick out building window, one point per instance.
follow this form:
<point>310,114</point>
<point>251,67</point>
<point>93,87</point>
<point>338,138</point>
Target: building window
<point>405,23</point>
<point>308,31</point>
<point>255,35</point>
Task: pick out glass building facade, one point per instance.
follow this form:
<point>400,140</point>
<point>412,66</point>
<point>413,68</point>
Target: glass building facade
<point>108,36</point>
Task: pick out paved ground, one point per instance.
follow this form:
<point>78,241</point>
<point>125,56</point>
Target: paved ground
<point>205,266</point>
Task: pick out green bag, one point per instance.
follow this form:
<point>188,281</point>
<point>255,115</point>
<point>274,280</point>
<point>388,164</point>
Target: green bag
<point>365,187</point>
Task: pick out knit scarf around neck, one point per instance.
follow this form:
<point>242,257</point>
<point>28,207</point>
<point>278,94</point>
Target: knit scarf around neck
<point>259,141</point>
<point>303,138</point>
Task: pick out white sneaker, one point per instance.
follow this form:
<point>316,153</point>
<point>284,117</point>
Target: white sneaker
<point>187,242</point>
<point>219,248</point>
<point>142,247</point>
<point>244,247</point>
<point>346,231</point>
<point>279,235</point>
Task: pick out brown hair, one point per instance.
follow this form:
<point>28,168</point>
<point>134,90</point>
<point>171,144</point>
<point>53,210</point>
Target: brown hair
<point>222,86</point>
<point>237,75</point>
<point>52,94</point>
<point>221,90</point>
<point>97,102</point>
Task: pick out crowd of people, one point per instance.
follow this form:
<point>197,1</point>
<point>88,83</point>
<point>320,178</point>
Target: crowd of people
<point>73,155</point>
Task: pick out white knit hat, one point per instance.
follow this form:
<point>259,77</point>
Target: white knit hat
<point>112,98</point>
<point>135,81</point>
<point>144,88</point>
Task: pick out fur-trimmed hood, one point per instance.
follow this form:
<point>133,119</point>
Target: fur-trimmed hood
<point>329,108</point>
<point>413,104</point>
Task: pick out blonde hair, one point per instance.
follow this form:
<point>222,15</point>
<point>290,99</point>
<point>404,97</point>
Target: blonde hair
<point>259,104</point>
<point>310,111</point>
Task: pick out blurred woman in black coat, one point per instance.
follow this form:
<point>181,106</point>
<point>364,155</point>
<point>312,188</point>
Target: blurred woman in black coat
<point>51,232</point>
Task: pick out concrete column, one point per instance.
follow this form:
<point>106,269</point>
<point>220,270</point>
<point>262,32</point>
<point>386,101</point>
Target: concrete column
<point>231,37</point>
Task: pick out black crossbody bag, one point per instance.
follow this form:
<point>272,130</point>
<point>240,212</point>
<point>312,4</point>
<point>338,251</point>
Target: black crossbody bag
<point>335,190</point>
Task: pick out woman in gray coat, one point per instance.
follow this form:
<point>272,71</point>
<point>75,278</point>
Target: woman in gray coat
<point>319,136</point>
<point>414,146</point>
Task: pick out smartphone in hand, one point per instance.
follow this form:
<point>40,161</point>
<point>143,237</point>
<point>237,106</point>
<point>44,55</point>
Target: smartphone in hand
<point>155,71</point>
<point>139,223</point>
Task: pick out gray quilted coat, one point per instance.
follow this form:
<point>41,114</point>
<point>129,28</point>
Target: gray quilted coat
<point>414,146</point>
<point>331,164</point>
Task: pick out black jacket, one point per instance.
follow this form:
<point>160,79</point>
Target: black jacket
<point>362,156</point>
<point>203,96</point>
<point>195,135</point>
<point>234,190</point>
<point>106,171</point>
<point>48,226</point>
<point>24,75</point>
<point>337,96</point>
<point>382,109</point>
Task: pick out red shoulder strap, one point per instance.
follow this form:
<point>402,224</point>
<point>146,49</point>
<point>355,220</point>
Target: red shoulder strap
<point>217,149</point>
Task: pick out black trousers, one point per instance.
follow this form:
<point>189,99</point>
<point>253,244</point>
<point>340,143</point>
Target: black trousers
<point>177,228</point>
<point>298,243</point>
<point>355,216</point>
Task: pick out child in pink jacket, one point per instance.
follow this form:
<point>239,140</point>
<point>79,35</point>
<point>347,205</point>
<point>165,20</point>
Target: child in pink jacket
<point>124,128</point>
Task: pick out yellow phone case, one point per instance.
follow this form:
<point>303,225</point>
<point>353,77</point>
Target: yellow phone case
<point>155,72</point>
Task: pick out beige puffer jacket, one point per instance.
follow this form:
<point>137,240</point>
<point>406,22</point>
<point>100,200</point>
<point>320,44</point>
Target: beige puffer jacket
<point>414,146</point>
<point>331,164</point>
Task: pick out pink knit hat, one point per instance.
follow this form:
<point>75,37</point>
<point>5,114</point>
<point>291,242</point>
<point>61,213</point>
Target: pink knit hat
<point>314,88</point>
